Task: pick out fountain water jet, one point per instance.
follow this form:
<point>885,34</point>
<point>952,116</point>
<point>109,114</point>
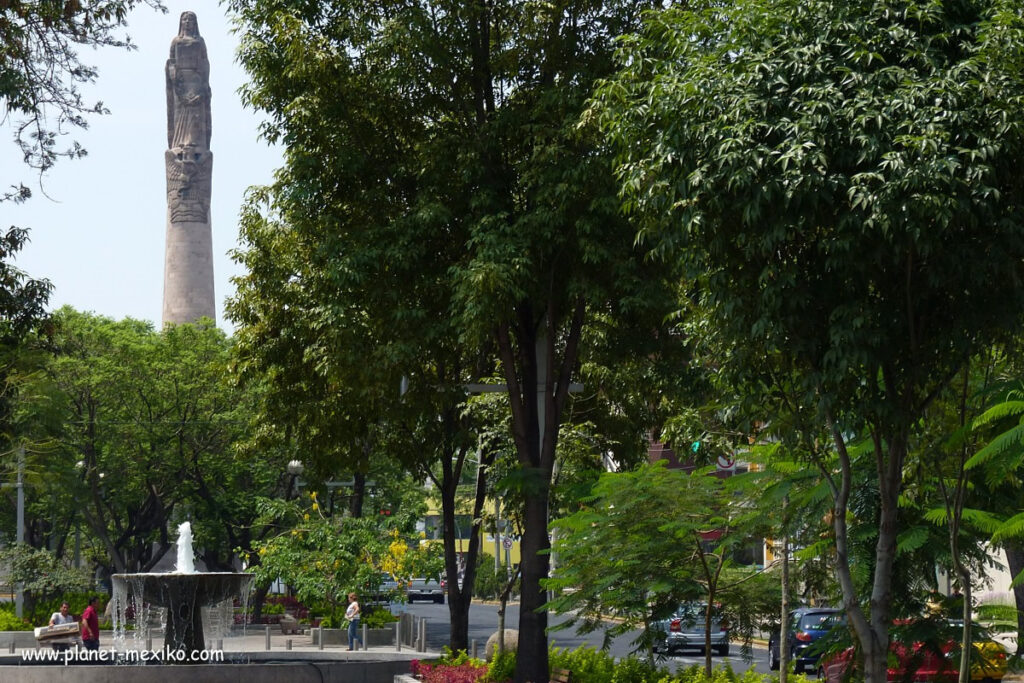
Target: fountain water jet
<point>184,593</point>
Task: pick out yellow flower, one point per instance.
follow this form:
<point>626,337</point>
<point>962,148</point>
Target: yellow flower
<point>295,532</point>
<point>306,516</point>
<point>312,494</point>
<point>315,507</point>
<point>263,551</point>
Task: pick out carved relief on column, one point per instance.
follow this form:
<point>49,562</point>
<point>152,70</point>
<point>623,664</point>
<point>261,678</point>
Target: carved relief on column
<point>189,178</point>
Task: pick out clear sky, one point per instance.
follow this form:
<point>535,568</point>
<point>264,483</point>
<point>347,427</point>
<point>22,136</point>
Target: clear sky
<point>97,224</point>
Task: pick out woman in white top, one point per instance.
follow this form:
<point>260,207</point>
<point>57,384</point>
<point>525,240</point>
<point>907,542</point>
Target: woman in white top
<point>352,614</point>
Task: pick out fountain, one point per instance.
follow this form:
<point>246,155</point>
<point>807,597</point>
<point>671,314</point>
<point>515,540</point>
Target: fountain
<point>184,593</point>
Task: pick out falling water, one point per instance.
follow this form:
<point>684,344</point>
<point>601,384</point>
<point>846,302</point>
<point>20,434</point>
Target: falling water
<point>202,603</point>
<point>185,564</point>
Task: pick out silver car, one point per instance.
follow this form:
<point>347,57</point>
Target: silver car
<point>425,589</point>
<point>684,630</point>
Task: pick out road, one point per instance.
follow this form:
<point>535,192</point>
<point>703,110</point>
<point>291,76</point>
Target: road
<point>483,621</point>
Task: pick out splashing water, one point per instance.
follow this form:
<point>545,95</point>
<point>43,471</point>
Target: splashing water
<point>185,564</point>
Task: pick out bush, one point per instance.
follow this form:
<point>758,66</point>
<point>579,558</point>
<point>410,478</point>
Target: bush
<point>77,602</point>
<point>585,663</point>
<point>488,584</point>
<point>9,622</point>
<point>502,667</point>
<point>457,667</point>
<point>377,617</point>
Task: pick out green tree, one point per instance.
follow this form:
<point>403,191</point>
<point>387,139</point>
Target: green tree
<point>41,573</point>
<point>629,550</point>
<point>324,558</point>
<point>40,71</point>
<point>441,214</point>
<point>141,428</point>
<point>1001,461</point>
<point>843,176</point>
<point>645,541</point>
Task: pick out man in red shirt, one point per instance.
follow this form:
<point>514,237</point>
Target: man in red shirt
<point>91,626</point>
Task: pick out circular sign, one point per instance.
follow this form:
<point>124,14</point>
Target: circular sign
<point>507,542</point>
<point>726,462</point>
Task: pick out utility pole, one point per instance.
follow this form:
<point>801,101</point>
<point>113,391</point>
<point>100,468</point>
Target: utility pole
<point>19,596</point>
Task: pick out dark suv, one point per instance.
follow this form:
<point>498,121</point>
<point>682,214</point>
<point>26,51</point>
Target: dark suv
<point>806,626</point>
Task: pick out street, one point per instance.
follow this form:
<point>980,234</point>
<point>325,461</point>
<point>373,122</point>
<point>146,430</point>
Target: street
<point>483,621</point>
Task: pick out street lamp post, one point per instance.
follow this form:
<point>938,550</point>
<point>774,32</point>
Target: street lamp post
<point>19,597</point>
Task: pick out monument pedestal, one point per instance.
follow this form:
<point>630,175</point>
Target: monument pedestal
<point>188,273</point>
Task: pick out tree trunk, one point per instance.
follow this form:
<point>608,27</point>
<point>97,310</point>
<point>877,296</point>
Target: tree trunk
<point>461,597</point>
<point>533,621</point>
<point>871,630</point>
<point>784,626</point>
<point>259,597</point>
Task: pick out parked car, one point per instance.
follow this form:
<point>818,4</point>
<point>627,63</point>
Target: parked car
<point>684,630</point>
<point>426,589</point>
<point>922,664</point>
<point>384,592</point>
<point>806,626</point>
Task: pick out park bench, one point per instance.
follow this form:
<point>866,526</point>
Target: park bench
<point>561,676</point>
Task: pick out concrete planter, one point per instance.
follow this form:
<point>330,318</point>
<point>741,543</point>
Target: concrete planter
<point>375,637</point>
<point>26,640</point>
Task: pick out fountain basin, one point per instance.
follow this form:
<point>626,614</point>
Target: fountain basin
<point>183,595</point>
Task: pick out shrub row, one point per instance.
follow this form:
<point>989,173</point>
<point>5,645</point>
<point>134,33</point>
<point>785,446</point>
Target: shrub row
<point>586,664</point>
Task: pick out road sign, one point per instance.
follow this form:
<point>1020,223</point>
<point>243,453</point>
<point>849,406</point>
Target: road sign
<point>507,542</point>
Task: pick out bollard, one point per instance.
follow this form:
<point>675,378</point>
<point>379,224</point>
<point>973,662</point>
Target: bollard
<point>288,644</point>
<point>11,646</point>
<point>423,634</point>
<point>398,636</point>
<point>267,631</point>
<point>320,630</point>
<point>365,644</point>
<point>474,648</point>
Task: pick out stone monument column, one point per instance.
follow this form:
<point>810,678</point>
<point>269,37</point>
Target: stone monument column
<point>188,256</point>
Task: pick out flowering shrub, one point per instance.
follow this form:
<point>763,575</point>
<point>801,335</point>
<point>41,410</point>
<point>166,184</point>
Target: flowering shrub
<point>467,672</point>
<point>585,663</point>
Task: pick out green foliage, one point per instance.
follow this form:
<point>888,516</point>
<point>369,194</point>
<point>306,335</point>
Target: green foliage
<point>830,175</point>
<point>43,576</point>
<point>10,622</point>
<point>585,663</point>
<point>141,428</point>
<point>488,583</point>
<point>501,668</point>
<point>440,217</point>
<point>377,617</point>
<point>458,658</point>
<point>40,71</point>
<point>632,670</point>
<point>324,558</point>
<point>77,602</point>
<point>635,550</point>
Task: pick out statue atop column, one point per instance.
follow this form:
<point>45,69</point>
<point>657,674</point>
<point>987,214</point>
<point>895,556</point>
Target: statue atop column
<point>188,158</point>
<point>188,259</point>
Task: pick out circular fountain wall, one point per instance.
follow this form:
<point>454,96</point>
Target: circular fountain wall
<point>183,596</point>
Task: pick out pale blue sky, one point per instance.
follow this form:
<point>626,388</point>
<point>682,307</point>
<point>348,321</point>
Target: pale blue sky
<point>99,237</point>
